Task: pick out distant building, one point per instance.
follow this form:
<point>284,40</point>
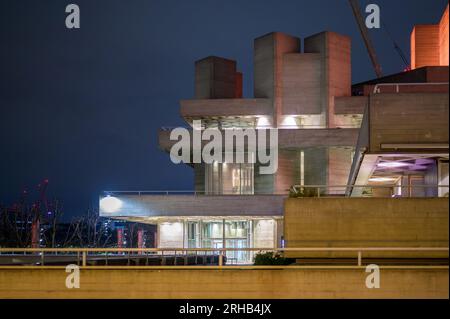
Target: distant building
<point>429,44</point>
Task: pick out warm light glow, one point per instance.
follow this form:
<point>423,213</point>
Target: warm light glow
<point>382,179</point>
<point>289,122</point>
<point>392,164</point>
<point>263,122</point>
<point>110,204</point>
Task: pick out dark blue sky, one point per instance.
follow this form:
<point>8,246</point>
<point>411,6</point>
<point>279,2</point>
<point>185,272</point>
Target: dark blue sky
<point>82,107</point>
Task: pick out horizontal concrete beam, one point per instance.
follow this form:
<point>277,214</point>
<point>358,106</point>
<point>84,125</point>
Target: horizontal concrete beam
<point>286,283</point>
<point>292,138</point>
<point>196,205</point>
<point>304,138</point>
<point>225,107</point>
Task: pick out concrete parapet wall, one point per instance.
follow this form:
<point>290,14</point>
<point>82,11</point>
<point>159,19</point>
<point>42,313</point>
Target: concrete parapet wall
<point>408,118</point>
<point>291,283</point>
<point>367,222</point>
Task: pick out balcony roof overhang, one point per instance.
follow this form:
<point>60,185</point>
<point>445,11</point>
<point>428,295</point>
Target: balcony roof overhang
<point>227,112</point>
<point>164,206</point>
<point>290,138</point>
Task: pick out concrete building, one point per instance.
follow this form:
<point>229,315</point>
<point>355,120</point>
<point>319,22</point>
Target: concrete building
<point>234,205</point>
<point>389,135</point>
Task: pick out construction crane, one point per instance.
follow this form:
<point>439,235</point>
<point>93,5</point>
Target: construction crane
<point>365,35</point>
<point>397,48</point>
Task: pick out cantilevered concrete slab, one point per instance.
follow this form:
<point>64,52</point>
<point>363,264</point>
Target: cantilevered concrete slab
<point>160,206</point>
<point>400,126</point>
<point>223,110</point>
<point>291,138</point>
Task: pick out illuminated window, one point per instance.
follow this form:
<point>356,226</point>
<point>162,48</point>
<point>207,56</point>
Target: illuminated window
<point>229,179</point>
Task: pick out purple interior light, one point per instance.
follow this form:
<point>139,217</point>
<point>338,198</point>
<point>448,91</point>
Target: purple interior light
<point>392,164</point>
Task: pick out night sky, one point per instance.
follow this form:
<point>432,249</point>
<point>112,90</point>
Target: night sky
<point>83,107</point>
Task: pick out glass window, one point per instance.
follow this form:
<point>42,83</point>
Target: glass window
<point>443,178</point>
<point>241,176</point>
<point>225,178</point>
<point>193,234</point>
<point>236,229</point>
<point>212,234</point>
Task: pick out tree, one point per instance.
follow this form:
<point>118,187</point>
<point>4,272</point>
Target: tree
<point>15,226</point>
<point>92,230</point>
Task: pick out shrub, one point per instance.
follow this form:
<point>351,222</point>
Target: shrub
<point>272,259</point>
<point>304,192</point>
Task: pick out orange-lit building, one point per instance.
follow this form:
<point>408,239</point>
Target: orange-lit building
<point>429,44</point>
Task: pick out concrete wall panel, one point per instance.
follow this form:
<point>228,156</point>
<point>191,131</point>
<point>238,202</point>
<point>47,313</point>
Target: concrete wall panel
<point>408,118</point>
<point>396,282</point>
<point>301,84</point>
<point>196,205</point>
<point>367,222</point>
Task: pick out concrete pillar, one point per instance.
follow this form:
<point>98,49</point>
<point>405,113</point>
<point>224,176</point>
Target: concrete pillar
<point>264,233</point>
<point>171,235</point>
<point>268,67</point>
<point>288,173</point>
<point>238,85</point>
<point>302,84</point>
<point>216,78</point>
<point>335,50</point>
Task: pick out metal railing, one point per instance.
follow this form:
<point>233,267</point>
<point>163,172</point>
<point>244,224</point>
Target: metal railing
<point>82,255</point>
<point>261,127</point>
<point>393,190</point>
<point>189,192</point>
<point>397,86</point>
<point>317,191</point>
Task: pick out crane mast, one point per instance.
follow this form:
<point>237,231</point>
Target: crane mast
<point>365,35</point>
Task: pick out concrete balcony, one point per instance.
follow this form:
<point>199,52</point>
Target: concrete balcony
<point>149,206</point>
<point>226,110</point>
<point>403,139</point>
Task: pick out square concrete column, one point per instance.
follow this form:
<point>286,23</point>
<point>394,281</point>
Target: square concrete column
<point>268,67</point>
<point>302,84</point>
<point>335,50</point>
<point>216,78</point>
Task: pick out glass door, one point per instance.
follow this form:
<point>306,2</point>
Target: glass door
<point>237,236</point>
